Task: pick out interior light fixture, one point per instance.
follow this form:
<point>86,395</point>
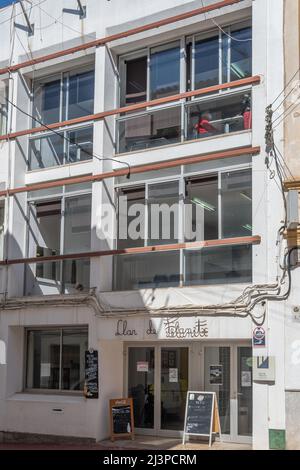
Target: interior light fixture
<point>245,196</point>
<point>248,227</point>
<point>208,207</point>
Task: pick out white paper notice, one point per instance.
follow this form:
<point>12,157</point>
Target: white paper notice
<point>246,378</point>
<point>173,375</point>
<point>45,369</point>
<point>142,366</point>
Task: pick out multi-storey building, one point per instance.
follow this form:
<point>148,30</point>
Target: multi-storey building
<point>106,114</point>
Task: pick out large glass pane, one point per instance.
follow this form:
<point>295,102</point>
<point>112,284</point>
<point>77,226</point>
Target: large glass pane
<point>217,379</point>
<point>80,100</point>
<point>244,391</point>
<point>201,208</point>
<point>2,213</point>
<point>174,387</point>
<point>136,81</point>
<point>241,54</point>
<point>43,359</point>
<point>80,145</point>
<point>141,385</point>
<point>163,213</point>
<point>77,236</point>
<point>45,220</point>
<point>74,345</point>
<point>236,197</point>
<point>165,70</point>
<point>46,102</point>
<point>149,270</point>
<point>46,152</point>
<point>222,265</point>
<point>206,62</point>
<point>3,108</point>
<point>76,275</point>
<point>131,217</point>
<point>154,129</point>
<point>217,116</point>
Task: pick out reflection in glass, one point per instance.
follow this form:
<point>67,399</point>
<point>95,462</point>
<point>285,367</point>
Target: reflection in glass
<point>207,62</point>
<point>80,145</point>
<point>174,387</point>
<point>46,103</point>
<point>80,95</point>
<point>141,385</point>
<point>43,359</point>
<point>236,196</point>
<point>46,152</point>
<point>74,345</point>
<point>241,54</point>
<point>221,265</point>
<point>164,70</point>
<point>163,200</point>
<point>149,270</point>
<point>217,379</point>
<point>202,201</point>
<point>154,129</point>
<point>244,391</point>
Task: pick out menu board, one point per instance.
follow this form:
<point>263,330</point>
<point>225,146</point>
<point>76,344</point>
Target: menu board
<point>121,418</point>
<point>201,415</point>
<point>91,374</point>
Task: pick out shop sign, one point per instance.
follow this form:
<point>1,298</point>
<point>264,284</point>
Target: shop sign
<point>173,375</point>
<point>264,369</point>
<point>216,375</point>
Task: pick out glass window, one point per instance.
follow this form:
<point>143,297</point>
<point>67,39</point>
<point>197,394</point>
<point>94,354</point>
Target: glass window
<point>207,62</point>
<point>165,70</point>
<point>136,81</point>
<point>3,107</point>
<point>80,146</point>
<point>218,265</point>
<point>46,152</point>
<point>77,224</point>
<point>223,58</point>
<point>236,196</point>
<point>201,216</point>
<point>131,217</point>
<point>2,214</point>
<point>56,359</point>
<point>46,102</point>
<point>163,213</point>
<point>67,97</point>
<point>241,54</point>
<point>80,96</point>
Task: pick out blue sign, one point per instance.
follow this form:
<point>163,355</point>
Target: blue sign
<point>259,337</point>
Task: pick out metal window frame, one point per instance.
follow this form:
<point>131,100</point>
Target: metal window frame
<point>53,391</point>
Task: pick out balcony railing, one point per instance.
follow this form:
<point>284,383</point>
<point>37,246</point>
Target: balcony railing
<point>215,115</point>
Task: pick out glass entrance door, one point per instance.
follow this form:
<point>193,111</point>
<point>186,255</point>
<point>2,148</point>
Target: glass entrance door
<point>158,381</point>
<point>174,369</point>
<point>228,372</point>
<point>141,383</point>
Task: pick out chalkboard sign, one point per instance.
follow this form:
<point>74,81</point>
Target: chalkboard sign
<point>121,418</point>
<point>201,415</point>
<point>91,374</point>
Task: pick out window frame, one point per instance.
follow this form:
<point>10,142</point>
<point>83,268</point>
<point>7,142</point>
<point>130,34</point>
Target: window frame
<point>181,178</point>
<point>53,391</point>
<point>61,196</point>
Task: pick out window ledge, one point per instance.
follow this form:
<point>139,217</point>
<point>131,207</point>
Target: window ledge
<point>41,397</point>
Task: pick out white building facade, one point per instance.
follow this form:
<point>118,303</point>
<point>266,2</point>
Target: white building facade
<point>161,313</point>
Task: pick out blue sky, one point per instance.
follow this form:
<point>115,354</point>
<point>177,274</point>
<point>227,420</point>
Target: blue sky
<point>4,3</point>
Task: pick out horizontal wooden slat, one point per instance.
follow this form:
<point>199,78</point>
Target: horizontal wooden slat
<point>134,107</point>
<point>231,153</point>
<point>139,250</point>
<point>117,36</point>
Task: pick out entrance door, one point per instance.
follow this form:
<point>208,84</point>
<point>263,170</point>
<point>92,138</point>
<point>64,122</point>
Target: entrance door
<point>228,372</point>
<point>158,381</point>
